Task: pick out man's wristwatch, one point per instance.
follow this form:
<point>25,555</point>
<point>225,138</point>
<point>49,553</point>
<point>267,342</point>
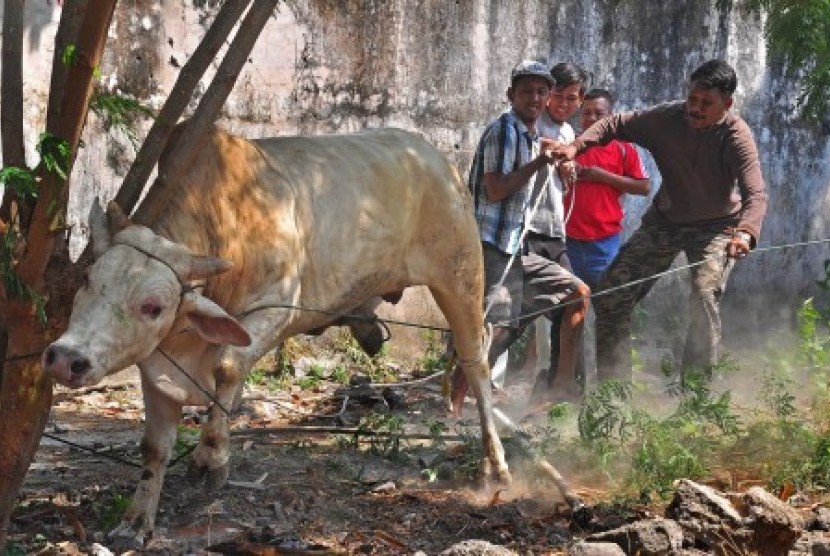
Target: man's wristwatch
<point>744,236</point>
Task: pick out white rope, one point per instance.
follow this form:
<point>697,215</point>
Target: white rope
<point>525,229</point>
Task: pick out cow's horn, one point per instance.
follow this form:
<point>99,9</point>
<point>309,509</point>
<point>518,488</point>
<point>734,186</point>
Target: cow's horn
<point>205,266</point>
<point>117,219</point>
<point>98,229</point>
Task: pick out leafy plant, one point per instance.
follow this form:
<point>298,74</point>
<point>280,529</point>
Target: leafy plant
<point>69,56</point>
<point>387,444</point>
<point>436,429</point>
<point>775,394</point>
<point>374,367</point>
<point>186,439</point>
<point>814,346</point>
<point>120,112</point>
<point>663,454</point>
<point>15,287</point>
<point>434,358</point>
<point>267,379</point>
<point>798,33</point>
<point>341,374</point>
<point>109,511</point>
<point>606,415</point>
<point>316,374</point>
<point>20,181</point>
<point>54,154</point>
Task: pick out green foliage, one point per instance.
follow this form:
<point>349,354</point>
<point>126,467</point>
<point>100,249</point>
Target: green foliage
<point>21,181</point>
<point>434,359</point>
<point>273,382</point>
<point>387,444</point>
<point>436,429</point>
<point>659,450</point>
<point>384,433</point>
<point>814,344</point>
<point>664,454</point>
<point>284,364</point>
<point>468,460</point>
<point>69,56</point>
<point>186,439</point>
<point>120,112</point>
<point>109,511</point>
<point>14,286</point>
<point>341,374</point>
<point>798,32</point>
<point>775,394</point>
<point>316,374</point>
<point>606,415</point>
<point>374,367</point>
<point>686,442</point>
<point>430,475</point>
<point>54,154</point>
<point>698,404</point>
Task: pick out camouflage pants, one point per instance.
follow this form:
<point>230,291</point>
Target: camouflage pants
<point>649,251</point>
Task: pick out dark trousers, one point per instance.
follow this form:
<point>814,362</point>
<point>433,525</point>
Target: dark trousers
<point>649,251</point>
<point>552,249</point>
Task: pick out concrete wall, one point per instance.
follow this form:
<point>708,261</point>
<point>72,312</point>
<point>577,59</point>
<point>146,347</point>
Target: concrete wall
<point>440,67</point>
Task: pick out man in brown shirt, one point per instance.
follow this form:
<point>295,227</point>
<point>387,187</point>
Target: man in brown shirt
<point>710,205</point>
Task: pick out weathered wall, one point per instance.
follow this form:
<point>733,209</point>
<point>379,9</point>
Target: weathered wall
<point>440,67</point>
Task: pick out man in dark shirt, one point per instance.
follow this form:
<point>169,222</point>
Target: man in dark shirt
<point>710,205</point>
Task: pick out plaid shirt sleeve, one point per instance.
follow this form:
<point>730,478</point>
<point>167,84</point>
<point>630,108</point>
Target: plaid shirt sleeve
<point>500,222</point>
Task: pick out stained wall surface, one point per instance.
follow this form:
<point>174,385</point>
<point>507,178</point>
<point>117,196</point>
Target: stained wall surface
<point>440,67</point>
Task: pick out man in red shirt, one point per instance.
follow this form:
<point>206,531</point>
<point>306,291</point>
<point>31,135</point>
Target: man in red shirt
<point>605,173</point>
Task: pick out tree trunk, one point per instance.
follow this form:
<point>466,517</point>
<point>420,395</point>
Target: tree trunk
<point>11,121</point>
<point>11,89</point>
<point>208,108</point>
<point>173,108</point>
<point>25,394</point>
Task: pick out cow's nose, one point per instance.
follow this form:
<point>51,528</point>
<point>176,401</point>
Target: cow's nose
<point>80,366</point>
<point>65,363</point>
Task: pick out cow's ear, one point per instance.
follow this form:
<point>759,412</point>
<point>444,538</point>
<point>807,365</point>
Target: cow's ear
<point>206,266</point>
<point>214,324</point>
<point>117,219</point>
<point>98,229</point>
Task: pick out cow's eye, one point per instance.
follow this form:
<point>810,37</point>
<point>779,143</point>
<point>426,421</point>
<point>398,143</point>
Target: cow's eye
<point>151,310</point>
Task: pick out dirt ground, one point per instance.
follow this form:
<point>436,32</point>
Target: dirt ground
<point>290,490</point>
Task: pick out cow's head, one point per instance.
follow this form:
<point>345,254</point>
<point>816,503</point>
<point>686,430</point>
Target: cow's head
<point>133,293</point>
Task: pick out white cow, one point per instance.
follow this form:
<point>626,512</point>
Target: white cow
<point>325,222</point>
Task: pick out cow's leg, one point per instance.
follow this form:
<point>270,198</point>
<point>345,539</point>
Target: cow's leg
<point>464,315</point>
<point>210,460</point>
<point>162,417</point>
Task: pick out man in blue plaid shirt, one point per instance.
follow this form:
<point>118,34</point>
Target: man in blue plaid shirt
<point>509,154</point>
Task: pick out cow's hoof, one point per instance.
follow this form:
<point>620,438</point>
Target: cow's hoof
<point>125,538</point>
<point>212,479</point>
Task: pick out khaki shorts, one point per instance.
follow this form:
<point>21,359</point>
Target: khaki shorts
<point>532,284</point>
